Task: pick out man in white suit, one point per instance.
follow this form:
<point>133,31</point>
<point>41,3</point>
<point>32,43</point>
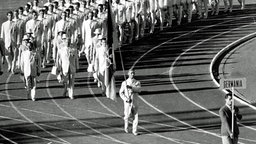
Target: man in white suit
<point>67,62</point>
<point>62,25</point>
<point>36,27</point>
<point>20,28</point>
<point>119,13</point>
<point>129,92</point>
<point>100,63</point>
<point>22,15</point>
<point>46,22</point>
<point>31,68</point>
<point>130,17</point>
<point>8,34</point>
<point>88,28</point>
<point>36,5</point>
<point>52,17</point>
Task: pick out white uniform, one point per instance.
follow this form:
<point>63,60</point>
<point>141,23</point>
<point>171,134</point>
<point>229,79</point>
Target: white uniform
<point>36,27</point>
<point>119,12</point>
<point>20,28</point>
<point>31,67</point>
<point>63,25</point>
<point>46,22</point>
<point>30,63</point>
<point>130,99</point>
<point>88,28</point>
<point>153,7</point>
<point>8,34</point>
<point>100,63</point>
<point>137,5</point>
<point>130,17</point>
<point>67,61</point>
<point>103,23</point>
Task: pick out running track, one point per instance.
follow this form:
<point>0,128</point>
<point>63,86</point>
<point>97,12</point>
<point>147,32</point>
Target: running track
<point>179,102</point>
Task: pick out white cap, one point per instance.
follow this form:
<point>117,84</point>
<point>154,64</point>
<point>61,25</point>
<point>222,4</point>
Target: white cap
<point>25,37</point>
<point>64,36</point>
<point>97,31</point>
<point>101,1</point>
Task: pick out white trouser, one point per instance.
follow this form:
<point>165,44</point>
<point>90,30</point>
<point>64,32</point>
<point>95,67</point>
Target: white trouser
<point>228,140</point>
<point>131,111</point>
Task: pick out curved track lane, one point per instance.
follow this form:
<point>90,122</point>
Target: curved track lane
<point>179,102</point>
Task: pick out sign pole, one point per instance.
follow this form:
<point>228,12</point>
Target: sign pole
<point>232,110</point>
<point>231,84</point>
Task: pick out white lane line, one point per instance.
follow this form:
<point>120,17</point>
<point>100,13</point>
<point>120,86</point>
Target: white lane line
<point>74,132</point>
<point>216,57</point>
<point>154,134</point>
<point>53,115</point>
<point>9,140</point>
<point>29,135</point>
<point>214,134</point>
<point>177,58</point>
<point>176,119</point>
<point>29,120</point>
<point>217,84</point>
<point>45,125</point>
<point>74,118</point>
<point>173,67</point>
<point>246,139</point>
<point>92,111</point>
<point>190,32</point>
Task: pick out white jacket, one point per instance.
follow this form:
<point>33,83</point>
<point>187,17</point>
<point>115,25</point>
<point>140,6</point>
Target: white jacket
<point>30,63</point>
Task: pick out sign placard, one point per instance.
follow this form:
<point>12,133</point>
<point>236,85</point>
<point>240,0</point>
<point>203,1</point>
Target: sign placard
<point>237,83</point>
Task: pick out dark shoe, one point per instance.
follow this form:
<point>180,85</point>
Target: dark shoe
<point>65,93</point>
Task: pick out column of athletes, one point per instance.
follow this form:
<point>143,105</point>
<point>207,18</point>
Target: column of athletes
<point>61,31</point>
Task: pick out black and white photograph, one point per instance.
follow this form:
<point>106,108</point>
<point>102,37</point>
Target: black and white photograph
<point>128,72</point>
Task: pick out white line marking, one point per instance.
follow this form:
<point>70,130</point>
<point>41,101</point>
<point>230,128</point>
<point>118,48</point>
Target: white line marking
<point>29,120</point>
<point>74,118</point>
<point>201,130</point>
<point>6,138</point>
<point>172,69</point>
<point>246,139</point>
<point>29,135</point>
<point>214,134</point>
<point>54,115</point>
<point>45,125</point>
<point>92,111</point>
<point>218,85</point>
<point>104,106</point>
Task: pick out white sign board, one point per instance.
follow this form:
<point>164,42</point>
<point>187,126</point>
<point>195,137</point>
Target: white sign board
<point>237,83</point>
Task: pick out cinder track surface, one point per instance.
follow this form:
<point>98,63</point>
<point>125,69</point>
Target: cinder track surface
<point>179,102</point>
<point>240,62</point>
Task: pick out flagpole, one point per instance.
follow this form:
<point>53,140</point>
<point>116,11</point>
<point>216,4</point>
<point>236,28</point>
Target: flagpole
<point>232,109</point>
<point>122,63</point>
<point>113,50</point>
